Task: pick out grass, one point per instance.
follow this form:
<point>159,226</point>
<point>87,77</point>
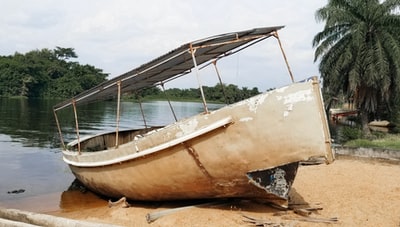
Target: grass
<point>389,141</point>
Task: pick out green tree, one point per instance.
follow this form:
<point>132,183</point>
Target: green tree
<point>149,92</point>
<point>359,52</point>
<point>46,73</point>
<point>65,53</point>
<point>9,71</point>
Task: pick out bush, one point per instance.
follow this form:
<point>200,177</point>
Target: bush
<point>349,133</point>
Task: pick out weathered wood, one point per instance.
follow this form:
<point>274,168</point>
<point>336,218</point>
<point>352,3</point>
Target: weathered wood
<point>26,218</point>
<point>6,222</point>
<point>314,219</point>
<point>313,161</point>
<point>151,217</point>
<point>302,212</point>
<point>260,222</point>
<point>306,206</point>
<point>266,222</point>
<point>122,200</point>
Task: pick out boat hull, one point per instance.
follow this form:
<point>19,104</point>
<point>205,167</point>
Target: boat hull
<point>215,155</point>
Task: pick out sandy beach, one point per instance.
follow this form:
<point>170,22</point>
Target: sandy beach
<point>353,191</point>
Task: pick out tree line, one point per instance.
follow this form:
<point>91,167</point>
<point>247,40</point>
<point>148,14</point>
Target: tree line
<point>52,73</point>
<point>221,93</point>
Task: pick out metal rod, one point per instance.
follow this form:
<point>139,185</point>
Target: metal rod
<point>142,111</point>
<point>275,33</point>
<point>236,40</point>
<point>169,102</point>
<point>192,51</point>
<point>118,113</point>
<point>220,81</point>
<point>59,129</point>
<point>76,126</point>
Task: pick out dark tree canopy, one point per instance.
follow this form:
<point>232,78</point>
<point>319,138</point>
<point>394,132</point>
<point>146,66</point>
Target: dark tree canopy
<point>46,73</point>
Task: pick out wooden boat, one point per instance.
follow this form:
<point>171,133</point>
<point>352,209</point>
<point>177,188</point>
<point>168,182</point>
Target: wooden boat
<point>380,125</point>
<point>249,149</point>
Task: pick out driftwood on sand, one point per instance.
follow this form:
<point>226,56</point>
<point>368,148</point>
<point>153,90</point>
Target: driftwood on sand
<point>150,217</point>
<point>14,217</point>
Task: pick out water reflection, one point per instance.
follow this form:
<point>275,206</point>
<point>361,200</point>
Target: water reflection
<point>77,200</point>
<point>28,122</point>
<point>33,169</point>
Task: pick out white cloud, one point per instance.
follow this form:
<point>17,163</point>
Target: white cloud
<point>120,35</point>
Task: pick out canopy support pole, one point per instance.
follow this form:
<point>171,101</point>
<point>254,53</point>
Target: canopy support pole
<point>142,111</point>
<point>118,113</point>
<point>220,81</point>
<point>76,126</point>
<point>192,51</point>
<point>169,102</point>
<point>59,129</point>
<point>275,34</point>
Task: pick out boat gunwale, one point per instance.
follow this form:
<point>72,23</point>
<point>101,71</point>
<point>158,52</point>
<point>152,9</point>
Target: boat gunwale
<point>218,124</point>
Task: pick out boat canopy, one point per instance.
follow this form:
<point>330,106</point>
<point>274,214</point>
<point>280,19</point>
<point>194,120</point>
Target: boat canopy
<point>173,64</point>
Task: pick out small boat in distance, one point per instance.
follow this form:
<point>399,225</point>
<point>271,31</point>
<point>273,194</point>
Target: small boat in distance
<point>249,149</point>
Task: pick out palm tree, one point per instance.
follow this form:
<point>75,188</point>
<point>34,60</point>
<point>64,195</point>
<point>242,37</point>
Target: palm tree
<point>359,52</point>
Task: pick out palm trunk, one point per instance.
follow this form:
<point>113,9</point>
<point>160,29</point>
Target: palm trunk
<point>364,123</point>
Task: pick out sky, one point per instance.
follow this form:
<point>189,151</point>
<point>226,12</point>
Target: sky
<point>120,35</point>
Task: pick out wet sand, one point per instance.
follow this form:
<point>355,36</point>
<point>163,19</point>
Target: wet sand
<point>358,192</point>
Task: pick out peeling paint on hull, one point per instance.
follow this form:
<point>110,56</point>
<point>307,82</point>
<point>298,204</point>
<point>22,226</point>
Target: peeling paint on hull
<point>213,155</point>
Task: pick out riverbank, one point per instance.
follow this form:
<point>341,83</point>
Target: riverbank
<point>356,191</point>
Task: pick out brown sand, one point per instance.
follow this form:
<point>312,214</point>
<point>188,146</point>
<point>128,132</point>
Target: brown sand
<point>358,192</point>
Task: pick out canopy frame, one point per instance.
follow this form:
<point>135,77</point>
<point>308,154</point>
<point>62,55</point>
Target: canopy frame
<point>176,63</point>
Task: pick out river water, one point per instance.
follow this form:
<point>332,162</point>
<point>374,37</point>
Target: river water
<point>31,159</point>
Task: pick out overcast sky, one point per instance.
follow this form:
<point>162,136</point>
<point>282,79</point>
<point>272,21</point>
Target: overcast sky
<point>120,35</point>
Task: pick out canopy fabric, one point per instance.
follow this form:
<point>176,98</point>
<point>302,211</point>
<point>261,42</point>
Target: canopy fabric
<point>173,64</point>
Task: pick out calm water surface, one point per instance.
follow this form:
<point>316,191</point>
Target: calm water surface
<point>29,143</point>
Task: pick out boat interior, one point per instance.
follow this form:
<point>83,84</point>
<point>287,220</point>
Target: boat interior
<point>108,140</point>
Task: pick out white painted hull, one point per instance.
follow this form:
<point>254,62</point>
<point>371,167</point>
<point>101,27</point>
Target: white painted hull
<point>210,155</point>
